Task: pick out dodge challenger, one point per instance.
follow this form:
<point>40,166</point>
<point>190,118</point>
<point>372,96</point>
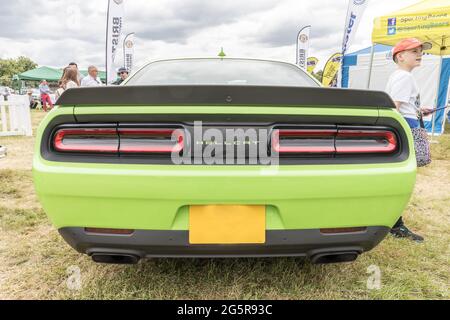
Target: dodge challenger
<point>223,158</point>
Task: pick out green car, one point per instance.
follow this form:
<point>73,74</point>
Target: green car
<point>223,158</point>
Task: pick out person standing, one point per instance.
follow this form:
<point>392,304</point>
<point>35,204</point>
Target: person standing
<point>74,66</point>
<point>403,89</point>
<point>70,79</point>
<point>92,79</point>
<point>60,90</point>
<point>123,75</point>
<point>45,95</point>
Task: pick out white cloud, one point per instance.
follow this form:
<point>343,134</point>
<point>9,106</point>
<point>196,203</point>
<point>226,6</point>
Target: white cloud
<point>55,32</point>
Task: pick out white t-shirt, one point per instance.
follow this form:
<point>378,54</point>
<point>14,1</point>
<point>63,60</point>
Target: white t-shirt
<point>89,81</point>
<point>402,87</point>
<point>71,84</point>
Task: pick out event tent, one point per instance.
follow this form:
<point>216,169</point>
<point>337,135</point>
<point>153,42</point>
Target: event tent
<point>428,20</point>
<point>49,74</point>
<point>356,67</point>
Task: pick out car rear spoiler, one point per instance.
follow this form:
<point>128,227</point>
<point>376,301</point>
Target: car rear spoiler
<point>198,95</point>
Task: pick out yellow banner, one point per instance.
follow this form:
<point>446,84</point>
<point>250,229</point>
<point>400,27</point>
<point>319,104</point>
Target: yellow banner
<point>426,20</point>
<point>312,63</point>
<point>331,69</point>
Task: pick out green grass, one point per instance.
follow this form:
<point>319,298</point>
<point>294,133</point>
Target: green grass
<point>35,261</point>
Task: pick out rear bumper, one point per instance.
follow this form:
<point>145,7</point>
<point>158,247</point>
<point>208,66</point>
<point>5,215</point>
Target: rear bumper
<point>279,243</point>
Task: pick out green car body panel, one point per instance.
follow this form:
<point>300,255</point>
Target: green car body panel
<point>156,197</point>
<point>153,199</point>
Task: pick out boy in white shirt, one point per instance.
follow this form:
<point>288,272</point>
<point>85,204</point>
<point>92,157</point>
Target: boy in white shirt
<point>403,89</point>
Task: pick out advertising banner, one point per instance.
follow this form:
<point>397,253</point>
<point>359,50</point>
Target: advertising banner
<point>331,69</point>
<point>113,34</point>
<point>312,63</point>
<point>128,52</point>
<point>303,47</point>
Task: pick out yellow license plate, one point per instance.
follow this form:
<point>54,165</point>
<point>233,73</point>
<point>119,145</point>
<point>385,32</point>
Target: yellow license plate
<point>224,224</point>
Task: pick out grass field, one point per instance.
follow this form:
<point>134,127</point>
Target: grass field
<point>35,263</point>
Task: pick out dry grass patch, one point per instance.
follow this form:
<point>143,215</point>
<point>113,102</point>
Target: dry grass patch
<point>35,262</point>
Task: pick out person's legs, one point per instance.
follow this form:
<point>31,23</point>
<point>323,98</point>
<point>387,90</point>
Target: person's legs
<point>49,101</point>
<point>413,123</point>
<point>44,102</point>
<point>399,223</point>
<point>399,230</point>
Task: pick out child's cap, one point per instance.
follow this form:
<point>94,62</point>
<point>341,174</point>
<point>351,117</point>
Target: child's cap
<point>408,44</point>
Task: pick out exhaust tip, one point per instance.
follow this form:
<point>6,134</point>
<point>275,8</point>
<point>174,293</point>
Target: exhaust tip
<point>334,257</point>
<point>113,258</point>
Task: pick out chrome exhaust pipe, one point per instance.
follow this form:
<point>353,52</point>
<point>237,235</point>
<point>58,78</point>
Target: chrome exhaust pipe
<point>115,258</point>
<point>334,257</point>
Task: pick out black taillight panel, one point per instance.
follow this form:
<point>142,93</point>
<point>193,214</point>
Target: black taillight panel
<point>339,141</point>
<point>154,143</point>
<point>113,140</point>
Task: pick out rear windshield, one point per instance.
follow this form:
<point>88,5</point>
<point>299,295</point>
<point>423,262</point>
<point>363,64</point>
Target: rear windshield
<point>221,72</point>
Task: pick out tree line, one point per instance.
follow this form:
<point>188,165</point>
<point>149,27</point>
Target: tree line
<point>11,67</point>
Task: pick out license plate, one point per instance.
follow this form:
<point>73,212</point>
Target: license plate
<point>225,224</point>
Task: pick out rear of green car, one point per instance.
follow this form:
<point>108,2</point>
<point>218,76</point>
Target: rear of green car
<point>119,208</point>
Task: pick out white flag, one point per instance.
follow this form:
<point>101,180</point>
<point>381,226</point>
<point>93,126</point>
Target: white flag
<point>354,14</point>
<point>128,52</point>
<point>114,31</point>
<point>303,47</point>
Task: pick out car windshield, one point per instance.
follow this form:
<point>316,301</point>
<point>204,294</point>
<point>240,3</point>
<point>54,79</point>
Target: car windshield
<point>221,72</point>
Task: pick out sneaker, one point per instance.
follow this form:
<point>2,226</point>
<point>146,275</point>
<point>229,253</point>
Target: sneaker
<point>404,232</point>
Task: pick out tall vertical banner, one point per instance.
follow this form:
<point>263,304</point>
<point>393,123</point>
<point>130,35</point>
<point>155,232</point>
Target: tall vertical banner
<point>312,63</point>
<point>330,71</point>
<point>113,33</point>
<point>355,12</point>
<point>128,52</point>
<point>303,47</point>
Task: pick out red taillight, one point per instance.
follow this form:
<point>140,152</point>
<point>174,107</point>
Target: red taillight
<point>151,140</point>
<point>329,141</point>
<point>103,140</point>
<point>303,141</point>
<point>365,141</point>
<point>123,140</point>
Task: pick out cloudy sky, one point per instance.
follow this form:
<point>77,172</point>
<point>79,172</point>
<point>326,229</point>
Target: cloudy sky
<point>55,32</point>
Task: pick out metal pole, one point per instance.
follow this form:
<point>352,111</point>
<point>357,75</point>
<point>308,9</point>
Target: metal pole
<point>339,75</point>
<point>106,43</point>
<point>433,118</point>
<point>372,54</point>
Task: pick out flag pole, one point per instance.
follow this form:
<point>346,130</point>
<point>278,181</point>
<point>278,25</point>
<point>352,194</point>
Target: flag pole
<point>106,42</point>
<point>433,117</point>
<point>372,54</point>
<point>340,74</point>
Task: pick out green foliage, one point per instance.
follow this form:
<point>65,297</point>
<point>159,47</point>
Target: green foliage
<point>11,67</point>
<point>318,75</point>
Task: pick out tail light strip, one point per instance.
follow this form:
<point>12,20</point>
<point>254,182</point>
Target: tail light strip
<point>311,148</point>
<point>86,140</point>
<point>299,141</point>
<point>164,140</point>
<point>388,139</point>
<point>111,140</point>
<point>151,140</point>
